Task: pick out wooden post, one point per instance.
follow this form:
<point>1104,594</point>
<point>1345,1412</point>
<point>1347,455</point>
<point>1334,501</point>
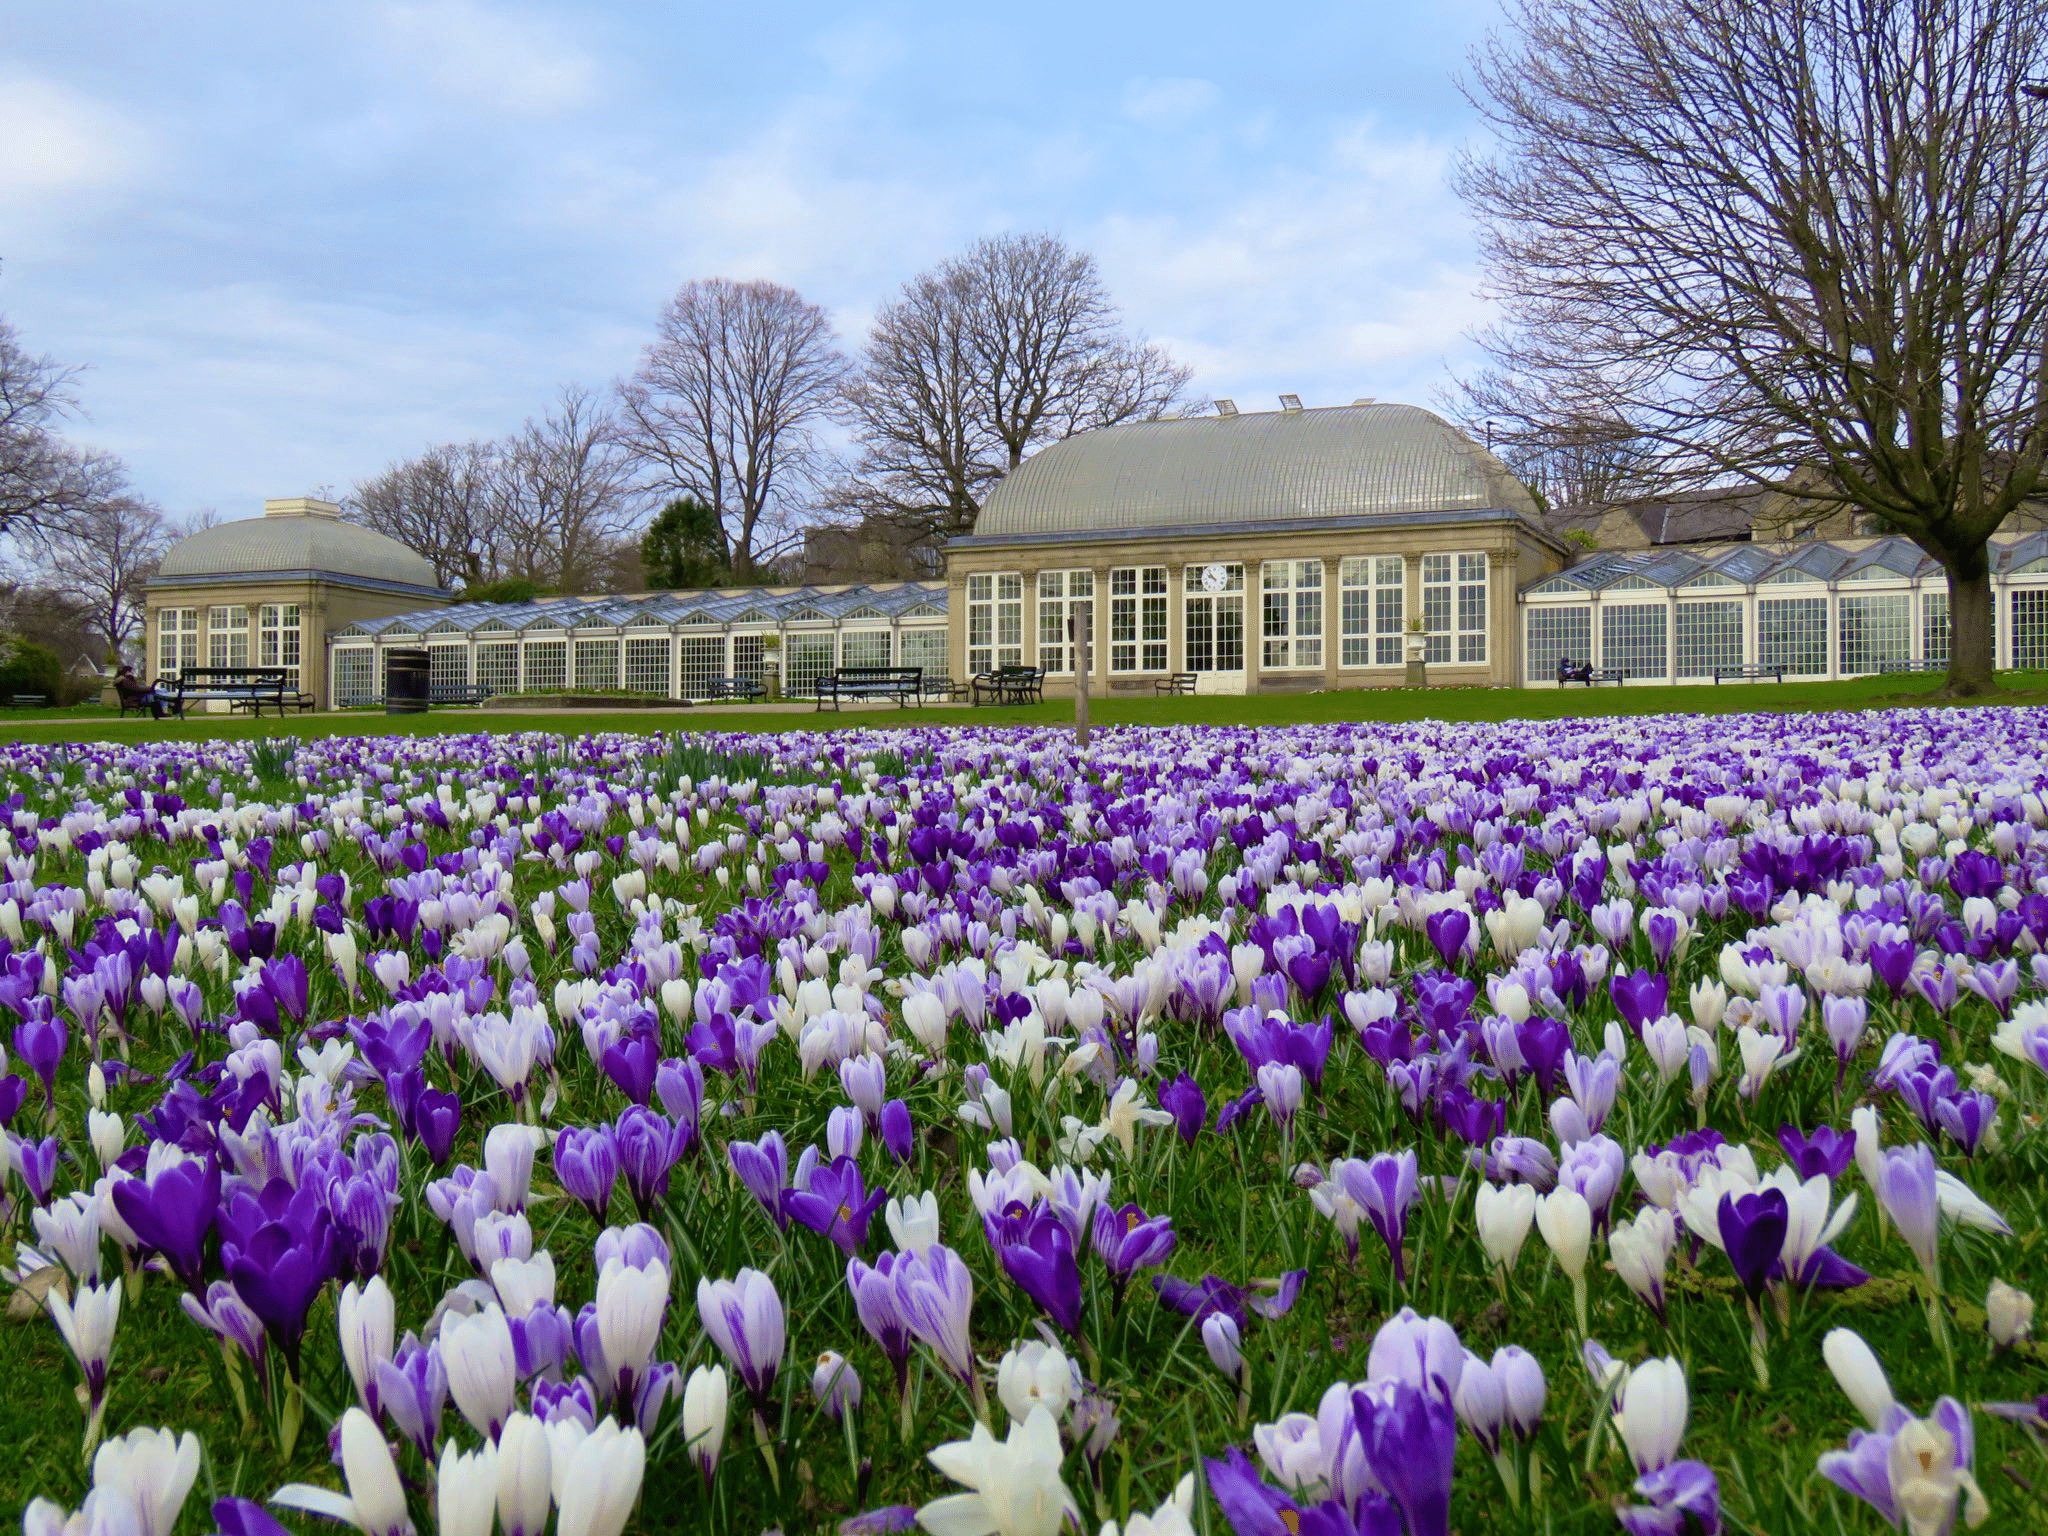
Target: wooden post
<point>1080,627</point>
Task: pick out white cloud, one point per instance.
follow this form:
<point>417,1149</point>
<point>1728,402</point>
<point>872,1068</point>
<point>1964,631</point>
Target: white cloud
<point>1352,274</point>
<point>62,147</point>
<point>490,56</point>
<point>1148,100</point>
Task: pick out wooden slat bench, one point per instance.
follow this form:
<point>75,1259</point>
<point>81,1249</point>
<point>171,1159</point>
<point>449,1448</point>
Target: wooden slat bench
<point>1754,674</point>
<point>1175,682</point>
<point>243,689</point>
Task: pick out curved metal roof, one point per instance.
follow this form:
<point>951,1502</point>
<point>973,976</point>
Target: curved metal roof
<point>313,542</point>
<point>1267,467</point>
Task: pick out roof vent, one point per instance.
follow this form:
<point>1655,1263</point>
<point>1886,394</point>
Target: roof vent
<point>1365,400</point>
<point>1290,402</point>
<point>1226,407</point>
<point>300,506</point>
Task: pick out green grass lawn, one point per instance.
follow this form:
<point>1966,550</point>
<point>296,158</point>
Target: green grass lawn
<point>1365,704</point>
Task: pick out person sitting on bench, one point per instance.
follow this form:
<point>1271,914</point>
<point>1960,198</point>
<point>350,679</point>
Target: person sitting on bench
<point>134,695</point>
<point>1569,671</point>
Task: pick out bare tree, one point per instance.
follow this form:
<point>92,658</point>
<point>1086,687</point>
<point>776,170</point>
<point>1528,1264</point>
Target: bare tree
<point>44,479</point>
<point>989,356</point>
<point>1588,464</point>
<point>103,561</point>
<point>726,405</point>
<point>1810,235</point>
<point>566,493</point>
<point>442,504</point>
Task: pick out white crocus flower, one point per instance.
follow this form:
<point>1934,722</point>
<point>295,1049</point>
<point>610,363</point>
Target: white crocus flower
<point>1928,1477</point>
<point>375,1501</point>
<point>1856,1371</point>
<point>602,1482</point>
<point>466,1490</point>
<point>154,1469</point>
<point>1014,1483</point>
<point>1173,1518</point>
<point>1503,1214</point>
<point>1034,1375</point>
<point>913,1221</point>
<point>1654,1406</point>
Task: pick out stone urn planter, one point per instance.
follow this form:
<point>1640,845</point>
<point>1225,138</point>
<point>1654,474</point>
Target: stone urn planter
<point>1417,645</point>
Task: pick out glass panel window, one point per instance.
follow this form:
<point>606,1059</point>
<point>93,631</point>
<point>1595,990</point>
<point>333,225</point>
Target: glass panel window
<point>1792,633</point>
<point>355,670</point>
<point>1436,608</point>
<point>1062,595</point>
<point>1292,614</point>
<point>810,658</point>
<point>1137,619</point>
<point>1874,629</point>
<point>2030,629</point>
<point>702,659</point>
<point>277,639</point>
<point>497,666</point>
<point>1708,638</point>
<point>749,659</point>
<point>923,648</point>
<point>547,665</point>
<point>995,621</point>
<point>1557,632</point>
<point>447,669</point>
<point>177,640</point>
<point>647,660</point>
<point>597,663</point>
<point>227,637</point>
<point>1632,639</point>
<point>864,648</point>
<point>1213,620</point>
<point>1374,592</point>
<point>1934,626</point>
<point>1472,610</point>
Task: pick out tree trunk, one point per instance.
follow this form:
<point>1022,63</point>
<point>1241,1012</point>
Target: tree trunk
<point>1970,650</point>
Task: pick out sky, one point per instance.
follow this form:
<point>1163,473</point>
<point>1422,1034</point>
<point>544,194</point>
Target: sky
<point>292,244</point>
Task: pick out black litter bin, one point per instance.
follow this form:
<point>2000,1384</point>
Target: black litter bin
<point>407,690</point>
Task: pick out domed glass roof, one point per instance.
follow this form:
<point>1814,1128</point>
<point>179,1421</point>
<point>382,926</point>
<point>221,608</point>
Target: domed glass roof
<point>295,537</point>
<point>1269,467</point>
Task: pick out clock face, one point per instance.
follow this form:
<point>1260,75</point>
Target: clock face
<point>1214,578</point>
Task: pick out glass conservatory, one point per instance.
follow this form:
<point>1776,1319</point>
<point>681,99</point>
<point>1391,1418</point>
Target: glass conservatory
<point>1844,608</point>
<point>672,644</point>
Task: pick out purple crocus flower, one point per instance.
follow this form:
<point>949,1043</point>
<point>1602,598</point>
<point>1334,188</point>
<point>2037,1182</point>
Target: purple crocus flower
<point>679,1084</point>
<point>279,1271</point>
<point>39,1040</point>
<point>437,1117</point>
<point>649,1146</point>
<point>631,1063</point>
<point>412,1389</point>
<point>744,1318</point>
<point>1410,1439</point>
<point>1182,1098</point>
<point>835,1202</point>
<point>899,1133</point>
<point>1448,931</point>
<point>1037,1252</point>
<point>1826,1152</point>
<point>1385,1187</point>
<point>935,1299</point>
<point>1127,1240</point>
<point>763,1167</point>
<point>245,1517</point>
<point>36,1162</point>
<point>875,1303</point>
<point>1753,1231</point>
<point>1251,1507</point>
<point>1639,997</point>
<point>880,1522</point>
<point>587,1166</point>
<point>1966,1117</point>
<point>1685,1500</point>
<point>1907,1188</point>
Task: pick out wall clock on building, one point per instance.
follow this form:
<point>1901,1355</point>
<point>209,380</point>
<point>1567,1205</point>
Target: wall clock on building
<point>1214,578</point>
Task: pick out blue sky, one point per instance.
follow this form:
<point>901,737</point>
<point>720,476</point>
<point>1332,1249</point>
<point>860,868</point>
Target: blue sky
<point>294,243</point>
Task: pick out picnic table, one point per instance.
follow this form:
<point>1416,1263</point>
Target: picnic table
<point>1010,685</point>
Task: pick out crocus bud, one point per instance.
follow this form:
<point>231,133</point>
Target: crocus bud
<point>1522,1388</point>
<point>914,1221</point>
<point>1221,1338</point>
<point>1479,1402</point>
<point>1503,1214</point>
<point>1566,1222</point>
<point>1654,1407</point>
<point>705,1396</point>
<point>2009,1314</point>
<point>524,1476</point>
<point>466,1490</point>
<point>836,1384</point>
<point>1857,1372</point>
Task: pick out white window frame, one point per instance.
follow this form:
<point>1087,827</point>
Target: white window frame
<point>1061,595</point>
<point>1373,610</point>
<point>1137,619</point>
<point>1291,615</point>
<point>227,635</point>
<point>995,620</point>
<point>1456,605</point>
<point>177,640</point>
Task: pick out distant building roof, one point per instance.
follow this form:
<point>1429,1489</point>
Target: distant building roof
<point>1285,467</point>
<point>300,536</point>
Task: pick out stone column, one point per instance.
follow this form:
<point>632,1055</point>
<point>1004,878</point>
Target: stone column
<point>1503,649</point>
<point>1176,618</point>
